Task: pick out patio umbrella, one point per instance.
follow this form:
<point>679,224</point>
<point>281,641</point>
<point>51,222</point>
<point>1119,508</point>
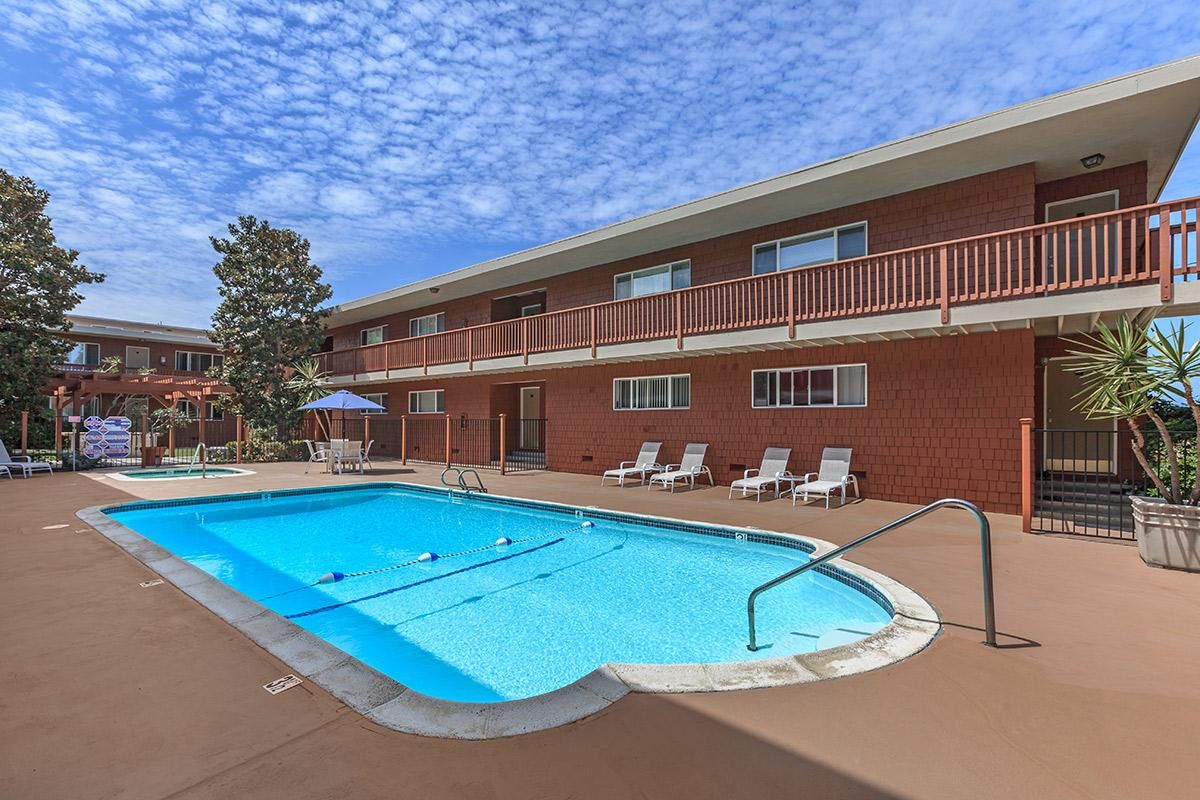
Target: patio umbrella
<point>341,401</point>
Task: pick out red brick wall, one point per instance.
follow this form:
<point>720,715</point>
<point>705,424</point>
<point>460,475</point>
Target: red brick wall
<point>980,204</point>
<point>1129,180</point>
<point>114,346</point>
<point>941,420</point>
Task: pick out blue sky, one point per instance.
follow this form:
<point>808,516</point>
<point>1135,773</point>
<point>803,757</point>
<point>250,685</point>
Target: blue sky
<point>408,139</point>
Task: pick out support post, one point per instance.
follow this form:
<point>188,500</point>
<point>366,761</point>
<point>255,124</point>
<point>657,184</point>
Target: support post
<point>58,431</point>
<point>425,355</point>
<point>470,348</point>
<point>203,412</point>
<point>24,433</point>
<point>366,429</point>
<point>237,433</point>
<point>503,442</point>
<point>403,439</point>
<point>944,270</point>
<point>593,332</point>
<point>525,338</point>
<point>145,435</point>
<point>171,430</point>
<point>678,321</point>
<point>1166,268</point>
<point>791,304</point>
<point>1026,474</point>
<point>447,441</point>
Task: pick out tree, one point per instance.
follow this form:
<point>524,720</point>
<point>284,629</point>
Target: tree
<point>269,317</point>
<point>309,384</point>
<point>1132,373</point>
<point>39,284</point>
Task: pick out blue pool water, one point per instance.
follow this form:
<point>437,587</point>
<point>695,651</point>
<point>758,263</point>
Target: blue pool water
<point>509,622</point>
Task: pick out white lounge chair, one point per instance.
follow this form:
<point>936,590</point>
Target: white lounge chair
<point>347,451</point>
<point>834,476</point>
<point>7,471</point>
<point>26,464</point>
<point>773,467</point>
<point>646,462</point>
<point>366,455</point>
<point>691,465</point>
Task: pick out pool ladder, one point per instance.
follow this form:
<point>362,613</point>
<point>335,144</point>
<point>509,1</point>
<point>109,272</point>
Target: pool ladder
<point>985,547</point>
<point>460,480</point>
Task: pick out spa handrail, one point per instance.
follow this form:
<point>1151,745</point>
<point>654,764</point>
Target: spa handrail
<point>985,546</point>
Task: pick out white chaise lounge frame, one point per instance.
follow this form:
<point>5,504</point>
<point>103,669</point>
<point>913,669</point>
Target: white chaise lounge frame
<point>645,463</point>
<point>770,471</point>
<point>691,465</point>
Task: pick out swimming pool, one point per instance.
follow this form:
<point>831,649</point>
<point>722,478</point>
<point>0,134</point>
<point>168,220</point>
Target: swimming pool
<point>576,589</point>
<point>179,473</point>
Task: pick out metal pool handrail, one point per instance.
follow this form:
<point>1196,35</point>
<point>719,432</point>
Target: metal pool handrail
<point>985,546</point>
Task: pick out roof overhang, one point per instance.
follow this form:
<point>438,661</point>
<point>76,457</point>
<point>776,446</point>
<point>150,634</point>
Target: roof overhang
<point>127,329</point>
<point>1144,116</point>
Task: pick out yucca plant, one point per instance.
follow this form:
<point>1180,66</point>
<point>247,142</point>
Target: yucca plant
<point>1127,369</point>
<point>308,382</point>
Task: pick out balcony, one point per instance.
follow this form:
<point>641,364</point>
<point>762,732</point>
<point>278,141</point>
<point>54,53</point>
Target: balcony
<point>1119,249</point>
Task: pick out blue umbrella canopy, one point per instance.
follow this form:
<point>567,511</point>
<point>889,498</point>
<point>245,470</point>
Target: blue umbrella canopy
<point>342,401</point>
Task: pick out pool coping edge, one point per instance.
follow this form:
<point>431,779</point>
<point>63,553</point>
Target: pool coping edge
<point>387,702</point>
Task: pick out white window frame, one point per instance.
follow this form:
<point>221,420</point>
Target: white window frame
<point>670,392</point>
<point>362,335</point>
<point>440,392</point>
<point>1114,193</point>
<point>191,353</point>
<point>439,324</point>
<point>149,356</point>
<point>85,362</point>
<point>811,368</point>
<point>532,310</point>
<point>376,397</point>
<point>671,267</point>
<point>835,230</point>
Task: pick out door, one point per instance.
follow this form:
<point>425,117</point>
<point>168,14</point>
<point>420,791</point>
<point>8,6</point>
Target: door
<point>1069,252</point>
<point>137,358</point>
<point>531,416</point>
<point>1072,442</point>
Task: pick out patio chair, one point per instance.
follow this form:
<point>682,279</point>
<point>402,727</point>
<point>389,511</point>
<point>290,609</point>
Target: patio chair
<point>346,451</point>
<point>691,465</point>
<point>26,464</point>
<point>773,467</point>
<point>317,454</point>
<point>366,455</point>
<point>7,471</point>
<point>646,462</point>
<point>833,476</point>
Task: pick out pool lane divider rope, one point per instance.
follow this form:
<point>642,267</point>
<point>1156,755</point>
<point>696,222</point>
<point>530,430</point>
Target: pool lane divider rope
<point>430,579</point>
<point>428,557</point>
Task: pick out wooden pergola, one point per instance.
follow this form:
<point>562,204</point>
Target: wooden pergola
<point>74,385</point>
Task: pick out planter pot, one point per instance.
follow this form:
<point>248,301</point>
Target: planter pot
<point>152,456</point>
<point>1168,535</point>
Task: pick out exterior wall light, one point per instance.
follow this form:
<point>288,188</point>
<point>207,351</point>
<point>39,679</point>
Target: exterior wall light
<point>1092,161</point>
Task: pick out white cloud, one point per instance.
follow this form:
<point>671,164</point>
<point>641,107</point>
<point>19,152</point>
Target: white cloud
<point>457,130</point>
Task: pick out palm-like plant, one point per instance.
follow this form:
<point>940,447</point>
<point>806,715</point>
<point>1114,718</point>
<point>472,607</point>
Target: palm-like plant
<point>309,383</point>
<point>1124,371</point>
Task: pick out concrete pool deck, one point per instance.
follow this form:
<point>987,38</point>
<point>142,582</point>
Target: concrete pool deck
<point>114,690</point>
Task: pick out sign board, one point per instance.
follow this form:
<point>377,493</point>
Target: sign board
<point>74,419</point>
<point>107,437</point>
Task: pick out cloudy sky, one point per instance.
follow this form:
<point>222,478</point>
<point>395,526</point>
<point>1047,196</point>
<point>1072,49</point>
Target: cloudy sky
<point>408,139</point>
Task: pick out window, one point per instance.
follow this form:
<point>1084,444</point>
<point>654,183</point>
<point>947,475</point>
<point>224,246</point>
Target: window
<point>381,398</point>
<point>187,361</point>
<point>376,335</point>
<point>85,354</point>
<point>842,385</point>
<point>531,310</point>
<point>657,392</point>
<point>809,249</point>
<point>423,326</point>
<point>653,280</point>
<point>430,401</point>
<point>188,410</point>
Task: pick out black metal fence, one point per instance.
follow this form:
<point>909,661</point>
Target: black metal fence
<point>1085,478</point>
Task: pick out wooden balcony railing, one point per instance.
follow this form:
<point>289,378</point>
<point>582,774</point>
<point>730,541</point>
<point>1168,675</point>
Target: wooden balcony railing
<point>1119,248</point>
